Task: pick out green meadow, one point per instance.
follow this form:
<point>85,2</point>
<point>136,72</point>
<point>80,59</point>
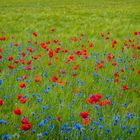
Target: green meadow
<point>57,57</point>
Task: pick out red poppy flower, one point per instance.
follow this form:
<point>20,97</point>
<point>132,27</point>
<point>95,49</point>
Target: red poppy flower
<point>139,72</point>
<point>37,79</point>
<point>107,102</point>
<point>0,50</point>
<point>52,30</point>
<point>90,45</point>
<point>55,41</point>
<point>28,67</point>
<point>1,102</point>
<point>116,80</point>
<point>17,111</point>
<point>86,121</point>
<point>23,54</point>
<point>100,66</point>
<point>58,118</point>
<point>16,62</point>
<point>34,33</point>
<point>22,85</point>
<point>57,49</point>
<point>25,126</point>
<point>49,63</point>
<point>48,42</point>
<point>10,66</point>
<point>10,58</point>
<point>113,43</point>
<point>75,67</point>
<point>122,69</point>
<point>54,79</point>
<point>24,121</point>
<point>21,61</point>
<point>135,33</point>
<point>84,114</point>
<point>50,53</point>
<point>134,56</point>
<point>19,96</point>
<point>116,74</point>
<point>132,68</point>
<point>94,98</point>
<point>24,77</point>
<point>3,38</point>
<point>138,47</point>
<point>114,63</point>
<point>124,87</point>
<point>23,100</point>
<point>28,62</point>
<point>101,103</point>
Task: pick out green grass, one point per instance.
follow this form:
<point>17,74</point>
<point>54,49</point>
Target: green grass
<point>121,17</point>
<point>20,18</point>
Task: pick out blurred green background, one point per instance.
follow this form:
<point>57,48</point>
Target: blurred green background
<point>121,17</point>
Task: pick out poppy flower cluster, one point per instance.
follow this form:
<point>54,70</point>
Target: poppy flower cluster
<point>94,98</point>
<point>25,124</point>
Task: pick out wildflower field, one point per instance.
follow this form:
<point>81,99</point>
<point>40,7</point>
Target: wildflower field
<point>70,69</point>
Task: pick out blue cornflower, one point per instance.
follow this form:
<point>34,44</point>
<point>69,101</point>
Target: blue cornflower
<point>100,126</point>
<point>84,107</point>
<point>91,128</point>
<point>46,133</point>
<point>98,113</point>
<point>27,81</point>
<point>38,100</point>
<point>129,116</point>
<point>11,44</point>
<point>6,137</point>
<point>48,87</point>
<point>62,87</point>
<point>77,126</point>
<point>107,80</point>
<point>45,74</point>
<point>124,105</point>
<point>3,122</point>
<point>51,127</point>
<point>134,127</point>
<point>130,131</point>
<point>70,106</point>
<point>131,101</point>
<point>33,131</point>
<point>115,122</point>
<point>49,117</point>
<point>123,127</point>
<point>46,91</point>
<point>84,138</point>
<point>107,130</point>
<point>96,123</point>
<point>33,113</point>
<point>100,118</point>
<point>53,85</point>
<point>42,123</point>
<point>0,81</point>
<point>95,74</point>
<point>73,100</point>
<point>107,97</point>
<point>44,107</point>
<point>17,79</point>
<point>97,62</point>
